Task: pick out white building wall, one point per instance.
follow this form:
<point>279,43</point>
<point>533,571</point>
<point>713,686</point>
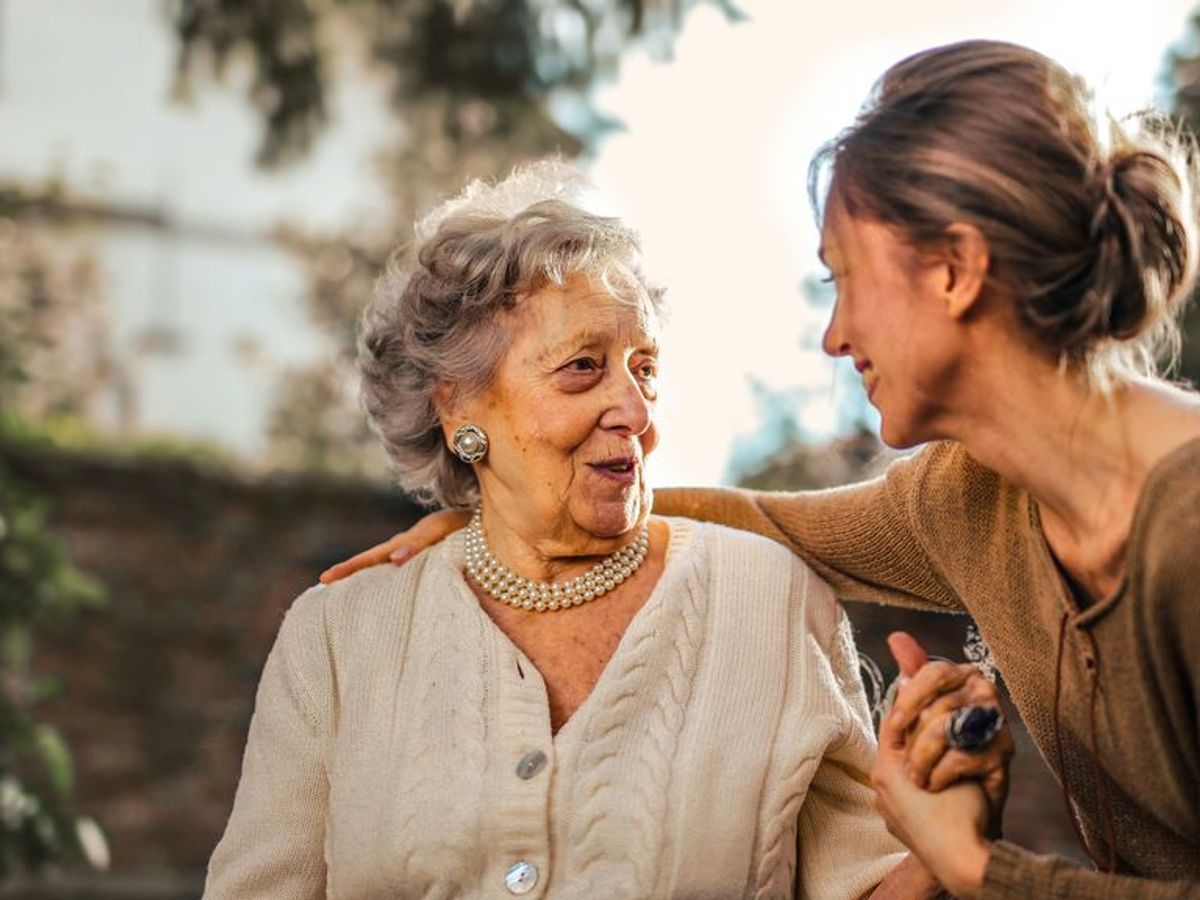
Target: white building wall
<point>86,98</point>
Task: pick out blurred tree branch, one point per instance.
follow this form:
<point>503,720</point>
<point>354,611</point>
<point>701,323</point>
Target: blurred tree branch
<point>512,54</point>
<point>470,82</point>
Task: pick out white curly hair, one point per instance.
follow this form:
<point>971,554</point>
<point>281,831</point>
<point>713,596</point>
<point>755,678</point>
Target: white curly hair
<point>433,320</point>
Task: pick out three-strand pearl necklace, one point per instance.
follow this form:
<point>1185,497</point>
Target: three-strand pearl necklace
<point>508,587</point>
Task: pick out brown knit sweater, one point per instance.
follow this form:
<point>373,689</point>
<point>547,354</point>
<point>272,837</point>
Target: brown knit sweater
<point>940,531</point>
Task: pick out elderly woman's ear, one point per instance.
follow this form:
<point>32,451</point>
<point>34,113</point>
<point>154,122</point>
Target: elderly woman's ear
<point>465,437</point>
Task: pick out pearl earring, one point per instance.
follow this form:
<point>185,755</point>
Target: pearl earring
<point>470,443</point>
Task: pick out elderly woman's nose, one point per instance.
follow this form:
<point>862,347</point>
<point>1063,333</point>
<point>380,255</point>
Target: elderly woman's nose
<point>629,408</point>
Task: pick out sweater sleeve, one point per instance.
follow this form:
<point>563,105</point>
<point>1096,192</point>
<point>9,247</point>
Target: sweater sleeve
<point>844,847</point>
<point>273,846</point>
<point>1016,874</point>
<point>864,539</point>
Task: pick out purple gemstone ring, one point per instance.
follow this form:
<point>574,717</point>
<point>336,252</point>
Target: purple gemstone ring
<point>972,728</point>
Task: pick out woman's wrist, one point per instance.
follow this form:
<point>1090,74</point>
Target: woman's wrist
<point>963,877</point>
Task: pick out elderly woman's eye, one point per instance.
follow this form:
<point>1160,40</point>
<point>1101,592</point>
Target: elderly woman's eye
<point>583,364</point>
<point>648,369</point>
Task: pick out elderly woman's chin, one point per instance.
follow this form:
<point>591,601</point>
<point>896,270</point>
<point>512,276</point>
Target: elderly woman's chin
<point>605,512</point>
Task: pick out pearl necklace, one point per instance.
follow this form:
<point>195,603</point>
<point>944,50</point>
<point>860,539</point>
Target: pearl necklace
<point>508,587</point>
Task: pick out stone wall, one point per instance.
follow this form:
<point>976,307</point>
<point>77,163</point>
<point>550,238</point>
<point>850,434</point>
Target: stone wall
<point>200,566</point>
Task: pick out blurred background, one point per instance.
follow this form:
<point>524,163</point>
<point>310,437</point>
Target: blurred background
<point>195,197</point>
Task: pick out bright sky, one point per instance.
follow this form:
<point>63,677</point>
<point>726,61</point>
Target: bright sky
<point>711,168</point>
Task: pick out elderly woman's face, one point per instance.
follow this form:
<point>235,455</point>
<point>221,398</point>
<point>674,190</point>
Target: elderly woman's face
<point>570,415</point>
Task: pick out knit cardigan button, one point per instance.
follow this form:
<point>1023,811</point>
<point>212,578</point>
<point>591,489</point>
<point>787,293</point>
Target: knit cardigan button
<point>521,877</point>
<point>530,764</point>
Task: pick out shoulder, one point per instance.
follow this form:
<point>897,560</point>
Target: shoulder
<point>731,553</point>
<point>959,506</point>
<point>713,539</point>
<point>759,571</point>
<point>371,606</point>
<point>1162,556</point>
<point>945,472</point>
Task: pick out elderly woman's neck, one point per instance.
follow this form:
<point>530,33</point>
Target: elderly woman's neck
<point>547,552</point>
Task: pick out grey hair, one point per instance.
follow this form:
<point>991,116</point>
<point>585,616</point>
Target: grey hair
<point>435,319</point>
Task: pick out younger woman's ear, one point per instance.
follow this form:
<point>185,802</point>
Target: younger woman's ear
<point>966,268</point>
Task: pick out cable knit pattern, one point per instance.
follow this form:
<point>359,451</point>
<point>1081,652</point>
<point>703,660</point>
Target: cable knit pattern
<point>649,690</point>
<point>437,730</point>
<point>711,759</point>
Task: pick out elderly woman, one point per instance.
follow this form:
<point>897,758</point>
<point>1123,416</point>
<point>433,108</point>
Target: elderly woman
<point>569,698</point>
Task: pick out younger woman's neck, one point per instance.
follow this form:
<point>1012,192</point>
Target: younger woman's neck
<point>1083,455</point>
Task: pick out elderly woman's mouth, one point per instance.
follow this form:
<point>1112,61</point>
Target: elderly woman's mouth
<point>622,469</point>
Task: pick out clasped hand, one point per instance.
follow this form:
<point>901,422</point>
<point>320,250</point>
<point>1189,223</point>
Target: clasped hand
<point>943,803</point>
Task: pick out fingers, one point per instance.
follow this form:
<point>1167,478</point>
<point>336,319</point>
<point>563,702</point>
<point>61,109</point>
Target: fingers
<point>908,652</point>
<point>398,548</point>
<point>892,735</point>
<point>955,765</point>
<point>927,741</point>
<point>372,557</point>
<point>926,745</point>
<point>931,763</point>
<point>995,782</point>
<point>921,689</point>
<point>989,767</point>
<point>430,530</point>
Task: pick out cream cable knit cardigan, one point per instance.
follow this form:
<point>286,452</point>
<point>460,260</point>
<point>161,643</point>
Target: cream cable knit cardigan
<point>723,753</point>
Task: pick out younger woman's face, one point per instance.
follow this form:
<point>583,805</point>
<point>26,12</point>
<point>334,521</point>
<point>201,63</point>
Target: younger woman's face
<point>890,318</point>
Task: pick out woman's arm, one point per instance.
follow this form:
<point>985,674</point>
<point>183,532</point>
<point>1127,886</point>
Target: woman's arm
<point>864,539</point>
<point>273,846</point>
<point>1014,873</point>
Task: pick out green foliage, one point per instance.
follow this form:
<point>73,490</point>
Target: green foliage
<point>471,80</point>
<point>506,54</point>
<point>39,586</point>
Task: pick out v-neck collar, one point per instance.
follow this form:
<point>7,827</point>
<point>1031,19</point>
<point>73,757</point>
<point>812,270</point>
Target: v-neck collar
<point>642,626</point>
<point>1083,616</point>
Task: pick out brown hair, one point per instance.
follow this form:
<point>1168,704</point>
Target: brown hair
<point>1096,243</point>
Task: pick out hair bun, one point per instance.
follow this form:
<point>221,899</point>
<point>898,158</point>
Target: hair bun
<point>1143,258</point>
